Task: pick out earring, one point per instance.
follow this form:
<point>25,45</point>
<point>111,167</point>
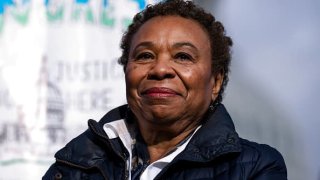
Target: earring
<point>213,105</point>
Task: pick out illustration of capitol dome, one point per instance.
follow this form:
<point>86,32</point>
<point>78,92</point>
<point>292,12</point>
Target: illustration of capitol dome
<point>55,114</point>
<point>51,102</point>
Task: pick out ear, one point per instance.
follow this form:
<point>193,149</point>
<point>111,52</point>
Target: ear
<point>218,79</point>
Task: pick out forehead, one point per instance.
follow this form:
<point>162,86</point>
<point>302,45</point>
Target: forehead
<point>171,29</point>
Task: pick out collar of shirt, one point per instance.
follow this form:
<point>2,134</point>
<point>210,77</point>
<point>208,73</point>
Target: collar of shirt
<point>120,129</point>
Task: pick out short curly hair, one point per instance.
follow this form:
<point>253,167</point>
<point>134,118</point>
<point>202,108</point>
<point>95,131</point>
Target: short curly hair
<point>220,43</point>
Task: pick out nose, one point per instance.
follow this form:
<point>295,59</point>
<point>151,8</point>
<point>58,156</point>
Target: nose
<point>161,69</point>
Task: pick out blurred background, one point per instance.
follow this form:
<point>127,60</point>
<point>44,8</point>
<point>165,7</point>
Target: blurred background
<point>273,93</point>
<point>58,69</point>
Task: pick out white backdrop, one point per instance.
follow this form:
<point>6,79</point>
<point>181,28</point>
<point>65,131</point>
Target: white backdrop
<point>58,68</point>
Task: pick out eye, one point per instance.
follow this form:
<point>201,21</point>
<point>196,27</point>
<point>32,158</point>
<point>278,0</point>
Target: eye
<point>183,57</point>
<point>144,56</point>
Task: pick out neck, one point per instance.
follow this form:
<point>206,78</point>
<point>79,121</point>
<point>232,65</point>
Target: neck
<point>161,139</point>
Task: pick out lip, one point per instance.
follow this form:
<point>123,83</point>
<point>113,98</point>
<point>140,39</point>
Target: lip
<point>159,92</point>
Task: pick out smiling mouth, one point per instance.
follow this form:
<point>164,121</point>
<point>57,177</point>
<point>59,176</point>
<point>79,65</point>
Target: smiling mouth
<point>159,92</point>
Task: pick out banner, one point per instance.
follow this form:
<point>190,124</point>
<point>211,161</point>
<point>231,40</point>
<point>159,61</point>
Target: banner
<point>58,68</point>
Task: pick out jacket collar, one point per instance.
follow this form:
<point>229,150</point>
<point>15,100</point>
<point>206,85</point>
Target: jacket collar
<point>216,137</point>
<point>88,149</point>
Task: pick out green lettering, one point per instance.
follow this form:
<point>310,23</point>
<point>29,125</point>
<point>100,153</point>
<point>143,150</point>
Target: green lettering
<point>106,19</point>
<point>87,12</point>
<point>76,14</point>
<point>1,23</point>
<point>89,15</point>
<point>21,17</point>
<point>55,16</point>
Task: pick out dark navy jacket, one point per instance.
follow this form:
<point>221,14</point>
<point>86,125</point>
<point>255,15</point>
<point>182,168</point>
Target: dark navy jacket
<point>214,152</point>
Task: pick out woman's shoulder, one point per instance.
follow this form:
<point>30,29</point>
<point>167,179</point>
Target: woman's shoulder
<point>259,151</point>
<point>263,159</point>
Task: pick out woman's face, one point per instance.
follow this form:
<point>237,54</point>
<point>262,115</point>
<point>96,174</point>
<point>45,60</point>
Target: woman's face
<point>168,75</point>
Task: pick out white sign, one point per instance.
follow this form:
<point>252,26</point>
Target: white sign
<point>58,68</point>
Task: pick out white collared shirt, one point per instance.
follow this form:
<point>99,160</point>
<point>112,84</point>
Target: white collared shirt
<point>120,129</point>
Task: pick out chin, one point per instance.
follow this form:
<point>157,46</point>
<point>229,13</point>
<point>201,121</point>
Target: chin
<point>161,115</point>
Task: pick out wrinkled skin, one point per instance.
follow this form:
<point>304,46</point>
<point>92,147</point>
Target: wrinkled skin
<point>168,77</point>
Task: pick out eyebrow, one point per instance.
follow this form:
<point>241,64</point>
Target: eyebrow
<point>181,44</point>
<point>143,44</point>
<point>175,45</point>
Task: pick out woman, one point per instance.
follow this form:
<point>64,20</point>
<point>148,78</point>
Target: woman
<point>176,61</point>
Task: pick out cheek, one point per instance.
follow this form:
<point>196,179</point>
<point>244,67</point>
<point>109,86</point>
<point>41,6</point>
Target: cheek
<point>133,75</point>
<point>199,78</point>
<point>201,85</point>
<point>129,76</point>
